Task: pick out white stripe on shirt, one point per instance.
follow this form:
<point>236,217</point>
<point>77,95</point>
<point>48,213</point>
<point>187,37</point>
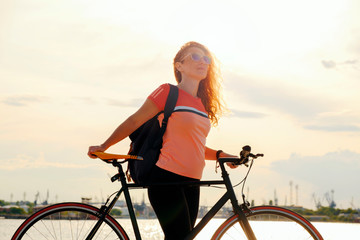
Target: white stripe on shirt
<point>190,109</point>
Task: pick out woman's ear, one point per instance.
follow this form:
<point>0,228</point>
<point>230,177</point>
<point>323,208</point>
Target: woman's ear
<point>178,66</point>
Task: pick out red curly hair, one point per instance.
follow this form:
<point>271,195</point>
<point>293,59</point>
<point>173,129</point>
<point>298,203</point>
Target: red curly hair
<point>209,87</point>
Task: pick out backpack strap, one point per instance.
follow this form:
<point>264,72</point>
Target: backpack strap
<point>169,106</point>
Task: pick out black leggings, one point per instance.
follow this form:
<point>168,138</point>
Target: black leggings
<point>175,206</point>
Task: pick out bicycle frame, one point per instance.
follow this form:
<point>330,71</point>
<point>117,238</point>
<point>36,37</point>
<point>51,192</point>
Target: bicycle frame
<point>229,195</point>
<point>105,225</point>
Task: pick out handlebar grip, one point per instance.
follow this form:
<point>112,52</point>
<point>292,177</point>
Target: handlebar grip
<point>256,155</point>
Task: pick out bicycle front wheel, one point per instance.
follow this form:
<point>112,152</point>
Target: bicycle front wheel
<point>68,221</point>
<point>269,222</point>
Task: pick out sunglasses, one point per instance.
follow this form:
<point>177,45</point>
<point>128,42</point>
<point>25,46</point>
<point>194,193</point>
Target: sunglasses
<point>197,57</point>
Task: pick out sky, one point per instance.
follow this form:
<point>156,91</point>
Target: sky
<point>71,71</point>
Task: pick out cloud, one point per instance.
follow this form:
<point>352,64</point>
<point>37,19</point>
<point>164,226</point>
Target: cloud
<point>24,161</point>
<point>136,102</point>
<point>334,128</point>
<point>330,64</point>
<point>245,114</point>
<point>23,100</point>
<point>340,121</point>
<point>309,109</point>
<point>351,62</point>
<point>322,169</point>
<point>86,100</point>
<point>298,102</point>
<point>335,170</point>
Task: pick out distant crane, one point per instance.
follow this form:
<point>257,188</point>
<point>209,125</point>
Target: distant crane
<point>275,198</point>
<point>317,201</point>
<point>46,202</point>
<point>291,184</point>
<point>36,198</point>
<point>352,203</point>
<point>330,199</point>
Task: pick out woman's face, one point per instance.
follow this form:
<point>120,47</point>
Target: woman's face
<point>194,64</point>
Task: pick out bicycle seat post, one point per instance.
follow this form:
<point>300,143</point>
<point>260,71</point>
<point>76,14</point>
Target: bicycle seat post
<point>125,189</point>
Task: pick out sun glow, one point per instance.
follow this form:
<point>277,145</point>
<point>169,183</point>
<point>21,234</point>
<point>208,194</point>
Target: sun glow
<point>291,69</point>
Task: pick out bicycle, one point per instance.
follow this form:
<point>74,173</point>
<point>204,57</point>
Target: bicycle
<point>82,221</point>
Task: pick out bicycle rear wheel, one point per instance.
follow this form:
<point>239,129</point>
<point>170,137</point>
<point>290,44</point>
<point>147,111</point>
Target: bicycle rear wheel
<point>68,221</point>
<point>269,222</point>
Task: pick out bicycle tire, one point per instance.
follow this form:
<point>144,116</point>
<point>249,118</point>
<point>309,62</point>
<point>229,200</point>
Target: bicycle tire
<point>269,222</point>
<point>68,221</point>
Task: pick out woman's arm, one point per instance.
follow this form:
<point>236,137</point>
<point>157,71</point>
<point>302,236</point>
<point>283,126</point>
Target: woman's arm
<point>145,112</point>
<point>210,154</point>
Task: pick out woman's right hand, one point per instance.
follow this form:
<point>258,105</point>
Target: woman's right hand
<point>93,149</point>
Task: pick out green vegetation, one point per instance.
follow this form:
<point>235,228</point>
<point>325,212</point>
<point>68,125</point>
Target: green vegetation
<point>332,214</point>
<point>115,212</point>
<point>326,214</point>
<point>3,203</point>
<point>17,208</point>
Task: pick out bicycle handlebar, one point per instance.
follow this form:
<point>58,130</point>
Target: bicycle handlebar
<point>245,154</point>
<point>239,161</point>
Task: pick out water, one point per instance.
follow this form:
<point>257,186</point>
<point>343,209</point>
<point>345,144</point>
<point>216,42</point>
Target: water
<point>150,229</point>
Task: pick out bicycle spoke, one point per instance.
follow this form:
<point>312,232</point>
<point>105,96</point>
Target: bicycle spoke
<point>47,228</point>
<point>52,225</point>
<point>41,232</point>
<point>98,232</point>
<point>107,236</point>
<point>60,229</point>
<point>77,227</point>
<point>82,227</point>
<point>72,235</point>
<point>236,231</point>
<point>29,236</point>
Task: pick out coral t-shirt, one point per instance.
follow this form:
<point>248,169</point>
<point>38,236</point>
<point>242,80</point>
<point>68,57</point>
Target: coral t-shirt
<point>183,150</point>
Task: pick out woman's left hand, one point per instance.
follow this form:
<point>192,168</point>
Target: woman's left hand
<point>224,155</point>
<point>231,165</point>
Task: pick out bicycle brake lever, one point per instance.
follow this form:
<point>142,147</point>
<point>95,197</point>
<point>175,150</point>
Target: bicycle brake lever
<point>245,161</point>
<point>115,177</point>
<point>244,154</point>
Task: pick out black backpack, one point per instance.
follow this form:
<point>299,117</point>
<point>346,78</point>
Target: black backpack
<point>146,141</point>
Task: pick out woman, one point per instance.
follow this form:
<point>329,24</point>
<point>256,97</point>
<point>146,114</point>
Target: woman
<point>184,150</point>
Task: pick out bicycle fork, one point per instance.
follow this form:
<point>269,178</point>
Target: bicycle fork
<point>244,223</point>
